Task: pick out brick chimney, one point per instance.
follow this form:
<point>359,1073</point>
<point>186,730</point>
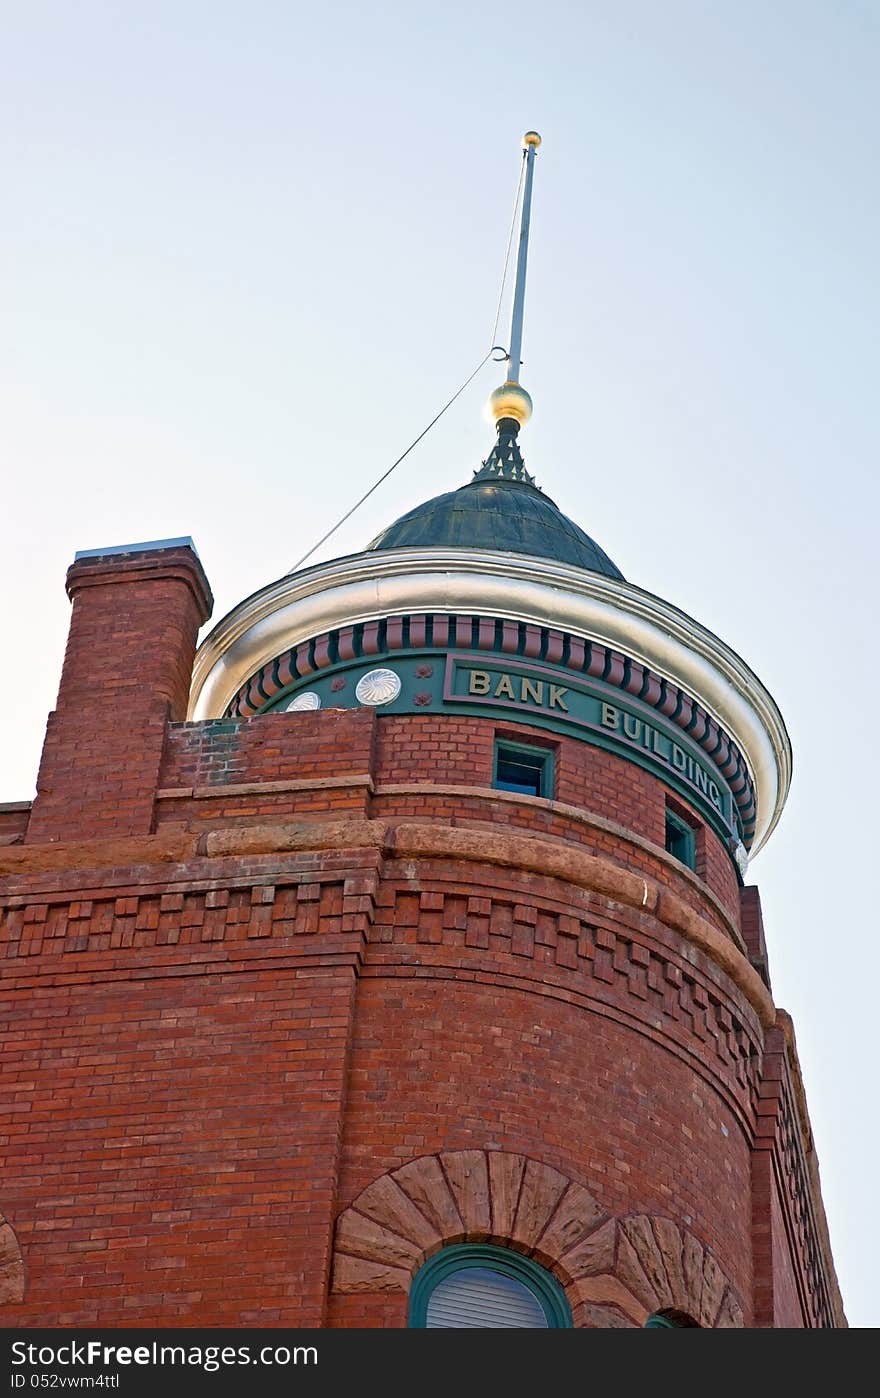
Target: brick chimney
<point>136,614</point>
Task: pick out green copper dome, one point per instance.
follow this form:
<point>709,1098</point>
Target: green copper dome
<point>501,508</point>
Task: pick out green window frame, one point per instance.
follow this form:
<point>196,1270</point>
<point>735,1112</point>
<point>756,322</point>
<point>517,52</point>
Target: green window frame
<point>670,1320</point>
<point>535,766</point>
<point>681,839</point>
<point>543,1286</point>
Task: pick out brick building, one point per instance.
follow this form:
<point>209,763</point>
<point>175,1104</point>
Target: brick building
<point>387,961</point>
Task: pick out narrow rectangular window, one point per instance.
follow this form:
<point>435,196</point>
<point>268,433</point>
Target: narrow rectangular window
<point>526,770</point>
<point>681,841</point>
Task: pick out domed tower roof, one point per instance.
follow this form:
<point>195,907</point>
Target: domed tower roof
<point>493,579</point>
<point>502,509</point>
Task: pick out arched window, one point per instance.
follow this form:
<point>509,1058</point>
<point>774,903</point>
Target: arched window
<point>671,1320</point>
<point>474,1286</point>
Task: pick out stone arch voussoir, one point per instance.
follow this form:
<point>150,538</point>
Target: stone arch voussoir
<point>660,1267</point>
<point>615,1271</point>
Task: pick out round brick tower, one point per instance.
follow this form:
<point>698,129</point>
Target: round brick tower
<point>407,977</point>
<point>562,1017</point>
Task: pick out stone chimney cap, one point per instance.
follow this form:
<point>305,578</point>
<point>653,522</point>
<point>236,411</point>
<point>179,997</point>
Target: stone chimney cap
<point>150,545</point>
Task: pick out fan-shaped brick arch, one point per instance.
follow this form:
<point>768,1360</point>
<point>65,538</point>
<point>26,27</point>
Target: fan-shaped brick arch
<point>11,1266</point>
<point>616,1271</point>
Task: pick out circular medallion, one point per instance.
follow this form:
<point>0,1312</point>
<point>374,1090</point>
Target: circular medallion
<point>308,700</point>
<point>378,687</point>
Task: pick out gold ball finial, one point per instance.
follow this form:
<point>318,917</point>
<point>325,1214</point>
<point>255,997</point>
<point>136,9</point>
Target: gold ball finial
<point>531,138</point>
<point>510,400</point>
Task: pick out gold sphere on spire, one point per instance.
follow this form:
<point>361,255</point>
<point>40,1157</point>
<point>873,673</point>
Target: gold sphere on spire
<point>531,138</point>
<point>510,400</point>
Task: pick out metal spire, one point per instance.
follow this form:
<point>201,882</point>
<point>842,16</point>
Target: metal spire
<point>510,402</point>
<point>531,141</point>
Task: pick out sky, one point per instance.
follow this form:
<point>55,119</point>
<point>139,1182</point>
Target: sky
<point>248,251</point>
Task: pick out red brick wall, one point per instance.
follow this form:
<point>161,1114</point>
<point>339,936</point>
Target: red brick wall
<point>794,1284</point>
<point>459,751</point>
<point>173,1086</point>
<point>368,1311</point>
<point>283,765</point>
<point>496,1066</point>
<point>752,923</point>
<point>777,1304</point>
<point>274,747</point>
<point>14,817</point>
<point>787,1310</point>
<point>188,1050</point>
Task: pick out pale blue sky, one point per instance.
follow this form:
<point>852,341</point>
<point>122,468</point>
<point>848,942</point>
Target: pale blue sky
<point>247,251</point>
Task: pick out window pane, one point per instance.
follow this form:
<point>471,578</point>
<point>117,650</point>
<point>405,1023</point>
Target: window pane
<point>680,841</point>
<point>519,771</point>
<point>477,1298</point>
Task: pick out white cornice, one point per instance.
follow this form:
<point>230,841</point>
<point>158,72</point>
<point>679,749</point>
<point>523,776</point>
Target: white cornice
<point>394,582</point>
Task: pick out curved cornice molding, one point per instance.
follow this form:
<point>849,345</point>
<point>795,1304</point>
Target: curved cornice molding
<point>368,587</point>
